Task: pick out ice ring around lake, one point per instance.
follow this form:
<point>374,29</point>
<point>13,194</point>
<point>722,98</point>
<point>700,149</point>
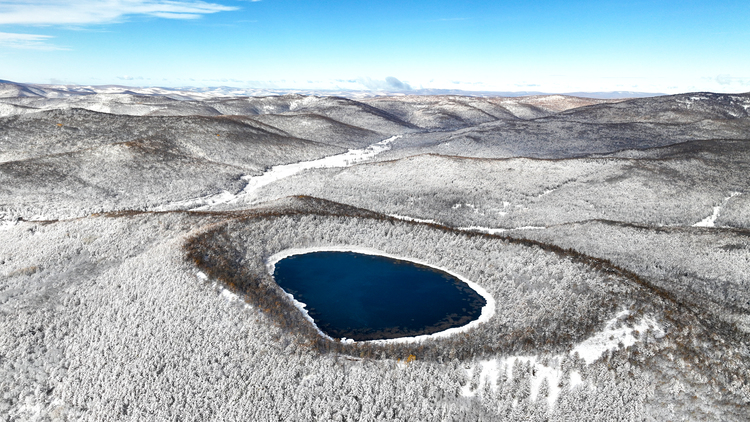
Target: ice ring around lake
<point>358,296</point>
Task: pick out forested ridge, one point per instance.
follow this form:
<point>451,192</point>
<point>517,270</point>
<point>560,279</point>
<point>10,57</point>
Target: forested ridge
<point>611,234</point>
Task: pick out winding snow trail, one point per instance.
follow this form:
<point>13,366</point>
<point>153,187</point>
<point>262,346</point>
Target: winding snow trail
<point>480,229</point>
<point>490,230</point>
<point>276,173</point>
<point>414,219</point>
<point>711,220</point>
<point>347,159</point>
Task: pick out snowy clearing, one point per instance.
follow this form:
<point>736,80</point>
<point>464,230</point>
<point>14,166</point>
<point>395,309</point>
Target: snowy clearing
<point>614,337</point>
<point>611,338</point>
<point>493,370</point>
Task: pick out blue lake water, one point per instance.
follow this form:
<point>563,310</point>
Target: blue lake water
<point>369,297</point>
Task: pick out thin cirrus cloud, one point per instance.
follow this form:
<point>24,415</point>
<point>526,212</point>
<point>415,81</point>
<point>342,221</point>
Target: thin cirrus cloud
<point>27,41</point>
<point>730,80</point>
<point>87,12</point>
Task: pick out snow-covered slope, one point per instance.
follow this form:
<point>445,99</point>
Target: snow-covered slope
<point>136,225</point>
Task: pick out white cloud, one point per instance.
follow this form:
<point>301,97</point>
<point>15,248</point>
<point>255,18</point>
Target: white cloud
<point>389,84</point>
<point>27,41</point>
<point>81,12</point>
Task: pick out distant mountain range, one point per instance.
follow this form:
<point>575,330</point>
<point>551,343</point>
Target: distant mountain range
<point>16,89</point>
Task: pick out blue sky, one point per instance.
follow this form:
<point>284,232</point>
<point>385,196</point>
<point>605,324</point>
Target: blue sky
<point>550,46</point>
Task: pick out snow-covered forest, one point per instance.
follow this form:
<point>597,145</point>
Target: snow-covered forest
<point>136,228</point>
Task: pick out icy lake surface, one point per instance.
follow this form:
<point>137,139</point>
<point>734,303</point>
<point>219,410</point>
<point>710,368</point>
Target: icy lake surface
<point>369,297</point>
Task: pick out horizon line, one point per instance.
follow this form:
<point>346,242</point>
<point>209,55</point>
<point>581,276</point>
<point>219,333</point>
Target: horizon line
<point>373,92</point>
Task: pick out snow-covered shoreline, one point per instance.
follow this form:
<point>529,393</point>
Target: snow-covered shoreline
<point>487,311</point>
